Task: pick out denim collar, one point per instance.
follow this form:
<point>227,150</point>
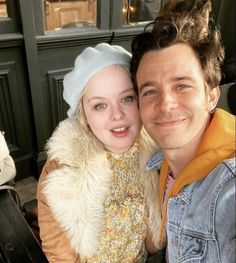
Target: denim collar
<point>155,161</point>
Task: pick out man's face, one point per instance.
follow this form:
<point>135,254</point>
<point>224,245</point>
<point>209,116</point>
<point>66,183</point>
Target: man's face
<point>174,103</point>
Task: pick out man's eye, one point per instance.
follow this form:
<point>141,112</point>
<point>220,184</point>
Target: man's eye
<point>149,92</point>
<point>99,106</point>
<point>129,98</point>
<point>182,87</point>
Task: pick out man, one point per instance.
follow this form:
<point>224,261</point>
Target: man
<point>176,70</point>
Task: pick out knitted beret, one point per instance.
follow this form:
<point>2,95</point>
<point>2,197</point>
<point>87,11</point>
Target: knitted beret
<point>88,63</point>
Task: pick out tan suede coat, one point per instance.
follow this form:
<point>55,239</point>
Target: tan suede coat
<point>75,159</point>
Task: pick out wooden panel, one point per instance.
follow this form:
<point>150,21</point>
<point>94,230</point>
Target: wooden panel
<point>58,105</point>
<point>15,117</point>
<point>7,118</point>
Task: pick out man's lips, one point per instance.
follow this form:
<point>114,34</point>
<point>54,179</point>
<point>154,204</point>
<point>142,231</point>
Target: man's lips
<point>167,123</point>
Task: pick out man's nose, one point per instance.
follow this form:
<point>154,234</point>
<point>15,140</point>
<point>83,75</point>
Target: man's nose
<point>167,101</point>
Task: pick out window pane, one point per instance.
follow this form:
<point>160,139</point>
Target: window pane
<point>61,14</point>
<point>136,11</point>
<point>3,9</point>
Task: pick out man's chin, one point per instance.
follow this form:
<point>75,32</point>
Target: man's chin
<point>170,148</point>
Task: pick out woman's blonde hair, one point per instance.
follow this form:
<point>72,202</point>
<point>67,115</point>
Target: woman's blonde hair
<point>80,114</point>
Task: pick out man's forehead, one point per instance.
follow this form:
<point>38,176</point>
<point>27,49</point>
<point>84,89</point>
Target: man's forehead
<point>179,58</point>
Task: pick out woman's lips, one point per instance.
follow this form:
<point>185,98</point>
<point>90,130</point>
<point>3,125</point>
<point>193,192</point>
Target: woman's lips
<point>120,132</point>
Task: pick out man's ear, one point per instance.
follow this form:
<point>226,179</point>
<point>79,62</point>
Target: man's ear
<point>213,97</point>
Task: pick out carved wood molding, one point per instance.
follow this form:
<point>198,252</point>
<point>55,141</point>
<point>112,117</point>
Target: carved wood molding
<point>87,39</point>
<point>8,123</point>
<point>11,40</point>
<point>57,104</point>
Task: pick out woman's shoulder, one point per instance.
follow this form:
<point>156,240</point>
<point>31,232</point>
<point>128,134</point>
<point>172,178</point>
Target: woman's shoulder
<point>50,166</point>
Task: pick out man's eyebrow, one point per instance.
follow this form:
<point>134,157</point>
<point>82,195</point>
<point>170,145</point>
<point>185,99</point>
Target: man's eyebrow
<point>146,84</point>
<point>182,78</point>
<point>154,83</point>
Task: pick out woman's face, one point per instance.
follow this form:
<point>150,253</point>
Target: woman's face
<point>111,109</point>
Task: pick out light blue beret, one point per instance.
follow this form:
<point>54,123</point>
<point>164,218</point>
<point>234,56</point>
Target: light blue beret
<point>89,62</point>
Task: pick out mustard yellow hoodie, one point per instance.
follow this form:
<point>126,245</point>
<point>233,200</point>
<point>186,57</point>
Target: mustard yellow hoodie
<point>217,145</point>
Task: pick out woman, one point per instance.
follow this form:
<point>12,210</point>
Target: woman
<point>96,202</point>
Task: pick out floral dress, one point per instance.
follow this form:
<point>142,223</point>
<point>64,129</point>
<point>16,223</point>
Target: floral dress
<point>125,214</point>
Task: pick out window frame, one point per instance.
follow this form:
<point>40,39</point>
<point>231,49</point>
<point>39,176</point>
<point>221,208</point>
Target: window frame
<point>107,20</point>
<point>10,24</point>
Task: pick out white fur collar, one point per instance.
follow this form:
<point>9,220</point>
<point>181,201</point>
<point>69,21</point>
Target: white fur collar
<point>77,191</point>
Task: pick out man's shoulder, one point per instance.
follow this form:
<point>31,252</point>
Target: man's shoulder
<point>225,171</point>
<point>220,175</point>
<point>218,183</point>
<point>231,165</point>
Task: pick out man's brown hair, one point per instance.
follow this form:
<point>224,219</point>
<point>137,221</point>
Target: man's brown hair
<point>186,21</point>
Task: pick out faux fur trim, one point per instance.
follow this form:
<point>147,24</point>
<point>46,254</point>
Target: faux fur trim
<point>77,191</point>
<point>151,182</point>
<point>71,144</point>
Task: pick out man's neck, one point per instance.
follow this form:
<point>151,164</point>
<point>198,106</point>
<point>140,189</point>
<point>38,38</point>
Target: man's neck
<point>178,159</point>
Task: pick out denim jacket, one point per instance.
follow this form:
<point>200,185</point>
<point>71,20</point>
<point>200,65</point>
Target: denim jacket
<point>200,224</point>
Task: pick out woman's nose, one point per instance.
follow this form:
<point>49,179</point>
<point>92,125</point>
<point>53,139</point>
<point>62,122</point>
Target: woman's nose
<point>117,112</point>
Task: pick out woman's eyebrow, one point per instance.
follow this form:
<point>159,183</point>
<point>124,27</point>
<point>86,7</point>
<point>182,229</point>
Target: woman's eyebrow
<point>95,98</point>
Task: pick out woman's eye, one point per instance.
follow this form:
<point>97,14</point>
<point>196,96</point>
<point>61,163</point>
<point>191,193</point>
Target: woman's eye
<point>99,106</point>
<point>129,98</point>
